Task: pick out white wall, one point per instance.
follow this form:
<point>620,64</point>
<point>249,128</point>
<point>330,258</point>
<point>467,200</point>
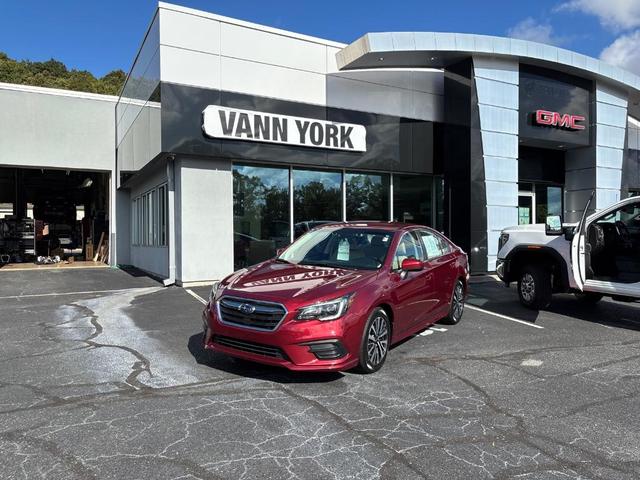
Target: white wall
<point>50,128</point>
<point>204,211</point>
<point>209,51</point>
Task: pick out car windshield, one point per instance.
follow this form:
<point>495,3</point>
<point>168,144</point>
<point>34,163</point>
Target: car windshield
<point>346,247</point>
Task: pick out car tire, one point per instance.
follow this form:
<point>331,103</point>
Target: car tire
<point>534,287</point>
<point>376,339</point>
<point>456,308</point>
<point>589,298</point>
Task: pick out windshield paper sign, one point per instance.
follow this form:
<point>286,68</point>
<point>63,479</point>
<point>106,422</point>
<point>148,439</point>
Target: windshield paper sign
<point>236,124</point>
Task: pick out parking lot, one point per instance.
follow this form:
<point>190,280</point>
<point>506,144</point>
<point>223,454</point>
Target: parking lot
<point>102,376</point>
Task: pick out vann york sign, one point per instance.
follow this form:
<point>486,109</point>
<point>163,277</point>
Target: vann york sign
<point>237,124</point>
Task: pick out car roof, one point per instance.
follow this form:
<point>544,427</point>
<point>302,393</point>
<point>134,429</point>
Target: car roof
<point>390,226</point>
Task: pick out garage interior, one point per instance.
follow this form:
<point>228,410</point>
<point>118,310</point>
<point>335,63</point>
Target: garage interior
<point>53,218</point>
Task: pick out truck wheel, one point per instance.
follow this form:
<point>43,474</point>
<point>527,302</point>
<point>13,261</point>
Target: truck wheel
<point>534,287</point>
<point>589,298</point>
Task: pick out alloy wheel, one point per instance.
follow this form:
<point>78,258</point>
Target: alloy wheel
<point>458,302</point>
<point>377,341</point>
<point>528,288</point>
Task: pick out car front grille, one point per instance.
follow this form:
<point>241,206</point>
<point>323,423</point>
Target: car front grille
<point>251,347</point>
<point>251,313</point>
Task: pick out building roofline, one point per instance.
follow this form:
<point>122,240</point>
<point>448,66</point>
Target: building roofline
<point>255,26</point>
<point>401,45</point>
<point>58,92</point>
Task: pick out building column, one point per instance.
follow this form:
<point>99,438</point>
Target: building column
<point>496,157</point>
<point>598,167</point>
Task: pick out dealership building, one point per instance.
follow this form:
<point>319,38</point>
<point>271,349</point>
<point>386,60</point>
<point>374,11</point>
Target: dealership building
<point>230,139</point>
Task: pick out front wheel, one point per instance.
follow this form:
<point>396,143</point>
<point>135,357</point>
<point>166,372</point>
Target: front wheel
<point>375,341</point>
<point>534,287</point>
<point>457,305</point>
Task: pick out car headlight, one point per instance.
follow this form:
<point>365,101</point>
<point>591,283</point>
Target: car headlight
<point>213,294</point>
<point>326,310</point>
<point>504,238</point>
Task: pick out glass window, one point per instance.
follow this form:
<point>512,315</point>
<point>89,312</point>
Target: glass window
<point>367,196</point>
<point>629,215</point>
<point>412,199</point>
<point>434,246</point>
<point>260,213</point>
<point>439,196</point>
<point>407,248</point>
<point>525,209</point>
<point>548,202</point>
<point>340,247</point>
<point>317,199</point>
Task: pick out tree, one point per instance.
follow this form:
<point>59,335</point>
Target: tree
<point>55,74</point>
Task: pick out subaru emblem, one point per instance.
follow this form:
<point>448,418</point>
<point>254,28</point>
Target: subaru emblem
<point>247,309</point>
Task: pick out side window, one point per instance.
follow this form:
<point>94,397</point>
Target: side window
<point>407,248</point>
<point>433,245</point>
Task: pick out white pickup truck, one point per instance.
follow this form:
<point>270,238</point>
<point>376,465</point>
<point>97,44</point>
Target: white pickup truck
<point>600,256</point>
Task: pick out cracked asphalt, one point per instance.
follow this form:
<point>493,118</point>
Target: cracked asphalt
<point>102,376</point>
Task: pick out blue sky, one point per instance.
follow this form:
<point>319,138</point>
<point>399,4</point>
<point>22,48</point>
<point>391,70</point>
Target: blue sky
<point>102,36</point>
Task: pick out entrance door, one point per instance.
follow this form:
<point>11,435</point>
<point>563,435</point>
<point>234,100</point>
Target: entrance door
<point>526,208</point>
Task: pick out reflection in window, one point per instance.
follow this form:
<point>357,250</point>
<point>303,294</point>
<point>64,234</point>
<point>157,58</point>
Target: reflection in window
<point>317,199</point>
<point>412,199</point>
<point>548,202</point>
<point>260,213</point>
<point>367,196</point>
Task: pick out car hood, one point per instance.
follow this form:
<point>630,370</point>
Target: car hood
<point>533,227</point>
<point>280,282</point>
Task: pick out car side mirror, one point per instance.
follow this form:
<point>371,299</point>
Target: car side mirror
<point>553,225</point>
<point>411,265</point>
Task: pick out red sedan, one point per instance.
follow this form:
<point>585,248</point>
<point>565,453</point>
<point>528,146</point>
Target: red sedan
<point>338,297</point>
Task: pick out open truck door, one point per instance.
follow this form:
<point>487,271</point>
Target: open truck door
<point>578,247</point>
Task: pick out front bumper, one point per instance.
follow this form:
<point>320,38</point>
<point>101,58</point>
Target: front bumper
<point>306,346</point>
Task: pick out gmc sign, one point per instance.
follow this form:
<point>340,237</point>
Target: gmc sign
<point>555,119</point>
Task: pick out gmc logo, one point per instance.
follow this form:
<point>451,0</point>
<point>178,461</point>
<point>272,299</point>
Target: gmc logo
<point>555,119</point>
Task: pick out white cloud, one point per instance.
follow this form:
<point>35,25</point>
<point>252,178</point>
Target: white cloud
<point>613,14</point>
<point>530,29</point>
<point>624,52</point>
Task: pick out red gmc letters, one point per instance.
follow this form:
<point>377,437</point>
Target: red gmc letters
<point>555,119</point>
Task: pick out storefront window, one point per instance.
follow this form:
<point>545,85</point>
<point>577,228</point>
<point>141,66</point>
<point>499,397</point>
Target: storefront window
<point>260,213</point>
<point>317,199</point>
<point>367,196</point>
<point>548,202</point>
<point>439,196</point>
<point>413,199</point>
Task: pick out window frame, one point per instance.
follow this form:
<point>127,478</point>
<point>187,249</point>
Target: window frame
<point>149,217</point>
<point>418,246</point>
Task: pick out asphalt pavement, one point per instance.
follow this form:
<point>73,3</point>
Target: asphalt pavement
<point>102,376</point>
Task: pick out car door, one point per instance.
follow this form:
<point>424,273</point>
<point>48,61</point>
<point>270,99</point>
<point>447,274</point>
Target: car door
<point>578,246</point>
<point>580,252</point>
<point>439,262</point>
<point>409,289</point>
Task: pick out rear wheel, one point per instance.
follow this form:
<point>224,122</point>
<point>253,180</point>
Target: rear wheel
<point>457,305</point>
<point>589,298</point>
<point>534,287</point>
<point>375,341</point>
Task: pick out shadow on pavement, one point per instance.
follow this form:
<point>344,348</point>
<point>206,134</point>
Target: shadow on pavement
<point>250,369</point>
<point>495,297</point>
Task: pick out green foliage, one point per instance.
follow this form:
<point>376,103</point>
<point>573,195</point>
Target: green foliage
<point>54,74</point>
